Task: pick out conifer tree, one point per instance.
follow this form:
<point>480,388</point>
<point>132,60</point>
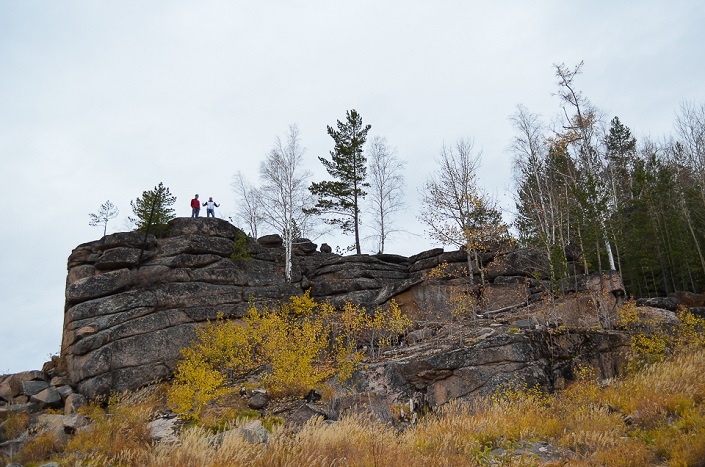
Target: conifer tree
<point>340,198</point>
<point>620,155</point>
<point>107,212</point>
<point>153,209</point>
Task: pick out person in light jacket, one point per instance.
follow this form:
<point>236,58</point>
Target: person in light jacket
<point>210,207</point>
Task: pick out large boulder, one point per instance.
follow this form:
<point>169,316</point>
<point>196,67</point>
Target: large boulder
<point>365,405</point>
<point>202,226</point>
<point>303,246</point>
<point>523,262</point>
<point>10,388</point>
<point>125,322</point>
<point>689,299</point>
<point>270,241</point>
<point>49,398</point>
<point>666,303</point>
<point>357,278</point>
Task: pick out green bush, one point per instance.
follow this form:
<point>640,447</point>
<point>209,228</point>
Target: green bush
<point>240,251</point>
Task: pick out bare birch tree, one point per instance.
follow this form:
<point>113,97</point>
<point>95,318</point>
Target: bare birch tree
<point>690,128</point>
<point>284,192</point>
<point>455,210</point>
<point>386,188</point>
<point>249,204</point>
<point>534,196</point>
<point>581,133</point>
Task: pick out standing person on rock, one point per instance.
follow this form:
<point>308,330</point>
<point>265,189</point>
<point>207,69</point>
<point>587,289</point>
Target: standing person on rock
<point>195,206</point>
<point>210,207</point>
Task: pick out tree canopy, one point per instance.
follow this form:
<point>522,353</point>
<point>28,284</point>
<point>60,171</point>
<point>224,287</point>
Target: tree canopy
<point>339,199</point>
<point>589,193</point>
<point>153,209</point>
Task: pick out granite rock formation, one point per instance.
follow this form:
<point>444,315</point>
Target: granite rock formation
<point>133,301</point>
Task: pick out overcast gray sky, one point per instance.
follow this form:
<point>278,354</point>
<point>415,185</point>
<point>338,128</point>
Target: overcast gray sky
<point>102,100</point>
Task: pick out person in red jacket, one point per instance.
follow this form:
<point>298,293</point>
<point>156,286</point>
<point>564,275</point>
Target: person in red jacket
<point>195,206</point>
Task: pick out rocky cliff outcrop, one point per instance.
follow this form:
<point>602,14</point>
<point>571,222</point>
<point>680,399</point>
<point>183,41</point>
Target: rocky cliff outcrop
<point>133,301</point>
<point>467,362</point>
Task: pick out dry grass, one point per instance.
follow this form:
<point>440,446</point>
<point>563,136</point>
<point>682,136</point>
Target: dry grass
<point>653,417</point>
<point>40,447</point>
<point>117,435</point>
<point>217,417</point>
<point>15,424</point>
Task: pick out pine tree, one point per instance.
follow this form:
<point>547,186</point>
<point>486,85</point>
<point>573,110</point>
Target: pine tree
<point>107,212</point>
<point>340,198</point>
<point>153,209</point>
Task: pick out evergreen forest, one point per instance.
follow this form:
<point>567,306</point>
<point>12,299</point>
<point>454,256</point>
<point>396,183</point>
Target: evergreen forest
<point>588,190</point>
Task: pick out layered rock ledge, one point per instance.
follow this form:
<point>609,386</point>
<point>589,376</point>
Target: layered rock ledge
<point>133,301</point>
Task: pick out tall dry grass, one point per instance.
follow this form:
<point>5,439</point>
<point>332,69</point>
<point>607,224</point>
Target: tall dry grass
<point>653,417</point>
<point>117,435</point>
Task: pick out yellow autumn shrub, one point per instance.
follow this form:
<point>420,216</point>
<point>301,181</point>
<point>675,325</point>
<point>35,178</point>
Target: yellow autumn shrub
<point>293,341</point>
<point>386,326</point>
<point>295,345</point>
<point>196,383</point>
<point>652,340</point>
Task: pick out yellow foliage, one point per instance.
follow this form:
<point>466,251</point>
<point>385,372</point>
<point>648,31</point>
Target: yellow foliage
<point>297,345</point>
<point>439,272</point>
<point>196,383</point>
<point>295,349</point>
<point>463,304</point>
<point>691,330</point>
<point>347,356</point>
<point>385,326</point>
<point>353,320</point>
<point>396,322</point>
<point>225,343</point>
<point>628,315</point>
<point>304,305</point>
<point>199,377</point>
<point>652,340</point>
